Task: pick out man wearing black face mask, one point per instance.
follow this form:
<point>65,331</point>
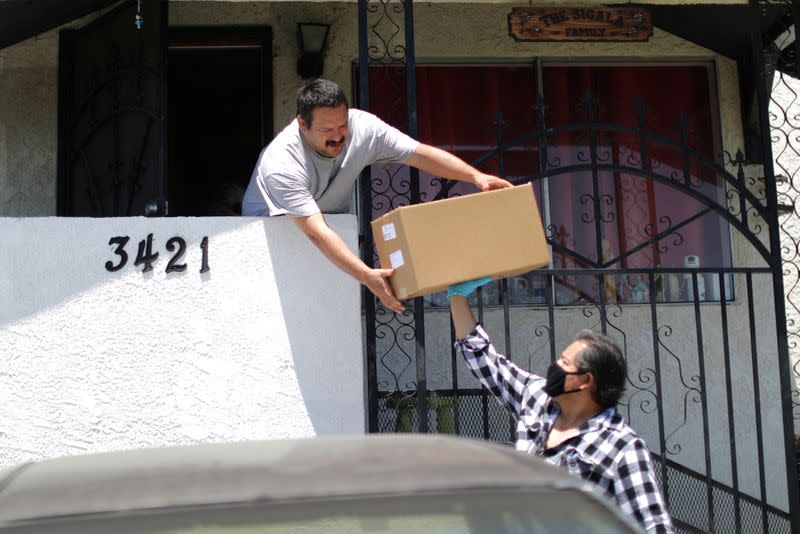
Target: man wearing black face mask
<point>569,418</point>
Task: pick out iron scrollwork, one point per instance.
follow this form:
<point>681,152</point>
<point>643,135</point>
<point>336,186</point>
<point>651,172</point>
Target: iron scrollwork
<point>625,167</point>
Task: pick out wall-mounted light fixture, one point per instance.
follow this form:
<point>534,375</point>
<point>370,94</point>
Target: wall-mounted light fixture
<point>312,37</point>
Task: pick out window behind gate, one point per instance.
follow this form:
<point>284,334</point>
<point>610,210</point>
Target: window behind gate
<point>468,110</point>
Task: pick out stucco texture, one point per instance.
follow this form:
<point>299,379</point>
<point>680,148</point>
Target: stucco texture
<point>267,344</point>
<point>28,78</point>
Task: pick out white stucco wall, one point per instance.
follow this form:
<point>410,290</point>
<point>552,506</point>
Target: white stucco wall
<point>267,344</point>
<point>28,112</point>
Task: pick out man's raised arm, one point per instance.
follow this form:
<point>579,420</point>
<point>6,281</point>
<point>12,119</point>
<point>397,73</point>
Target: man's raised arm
<point>439,162</point>
<point>337,251</point>
<point>463,319</point>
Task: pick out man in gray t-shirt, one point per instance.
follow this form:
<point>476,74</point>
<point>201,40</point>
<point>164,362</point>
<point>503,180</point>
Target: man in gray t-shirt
<point>293,179</point>
<point>312,165</point>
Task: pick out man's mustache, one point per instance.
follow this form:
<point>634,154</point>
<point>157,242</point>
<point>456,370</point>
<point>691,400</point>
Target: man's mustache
<point>331,142</point>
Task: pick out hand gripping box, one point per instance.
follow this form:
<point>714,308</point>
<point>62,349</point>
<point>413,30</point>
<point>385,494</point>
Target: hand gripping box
<point>435,244</point>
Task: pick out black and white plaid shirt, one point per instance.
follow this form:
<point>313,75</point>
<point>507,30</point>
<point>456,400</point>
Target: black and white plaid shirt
<point>607,451</point>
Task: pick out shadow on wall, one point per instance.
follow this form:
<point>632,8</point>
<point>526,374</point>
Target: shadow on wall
<point>323,323</point>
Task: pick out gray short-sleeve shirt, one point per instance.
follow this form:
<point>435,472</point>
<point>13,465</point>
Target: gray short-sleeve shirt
<point>291,178</point>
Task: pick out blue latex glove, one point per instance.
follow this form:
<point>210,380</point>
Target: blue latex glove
<point>465,288</point>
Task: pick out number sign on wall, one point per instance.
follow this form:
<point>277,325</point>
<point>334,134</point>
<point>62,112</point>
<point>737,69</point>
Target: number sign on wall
<point>146,256</point>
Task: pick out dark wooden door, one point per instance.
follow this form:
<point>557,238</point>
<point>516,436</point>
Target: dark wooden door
<point>112,114</point>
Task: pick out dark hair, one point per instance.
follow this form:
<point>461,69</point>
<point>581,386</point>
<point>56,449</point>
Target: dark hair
<point>318,93</point>
<point>603,357</point>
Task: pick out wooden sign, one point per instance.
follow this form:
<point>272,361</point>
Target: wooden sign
<point>579,24</point>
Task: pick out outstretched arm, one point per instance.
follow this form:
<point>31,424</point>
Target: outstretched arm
<point>337,251</point>
<point>442,163</point>
<point>507,382</point>
<point>463,319</point>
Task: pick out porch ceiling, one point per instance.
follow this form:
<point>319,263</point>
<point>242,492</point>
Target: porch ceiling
<point>723,29</point>
<point>22,19</point>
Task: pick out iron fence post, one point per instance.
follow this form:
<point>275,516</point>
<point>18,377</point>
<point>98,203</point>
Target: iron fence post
<point>371,387</point>
<point>777,281</point>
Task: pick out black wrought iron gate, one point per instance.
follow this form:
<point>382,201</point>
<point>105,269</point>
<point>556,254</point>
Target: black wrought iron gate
<point>112,114</point>
<point>711,387</point>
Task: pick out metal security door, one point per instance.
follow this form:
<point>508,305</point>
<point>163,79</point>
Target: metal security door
<point>112,114</point>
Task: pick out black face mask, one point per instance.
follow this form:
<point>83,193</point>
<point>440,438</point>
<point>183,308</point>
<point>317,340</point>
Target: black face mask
<point>556,376</point>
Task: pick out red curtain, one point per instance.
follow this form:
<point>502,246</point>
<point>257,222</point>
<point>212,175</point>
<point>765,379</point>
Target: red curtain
<point>633,208</point>
<point>459,108</point>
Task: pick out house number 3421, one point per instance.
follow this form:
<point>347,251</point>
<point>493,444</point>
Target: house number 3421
<point>146,256</point>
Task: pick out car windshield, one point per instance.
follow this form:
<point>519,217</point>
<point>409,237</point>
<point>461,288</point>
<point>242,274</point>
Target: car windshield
<point>495,512</point>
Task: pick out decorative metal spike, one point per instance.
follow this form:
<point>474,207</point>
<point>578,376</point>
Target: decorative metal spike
<point>642,111</point>
<point>589,104</point>
<point>685,129</point>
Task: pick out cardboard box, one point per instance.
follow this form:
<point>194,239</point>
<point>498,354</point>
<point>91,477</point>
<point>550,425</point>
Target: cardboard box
<point>435,244</point>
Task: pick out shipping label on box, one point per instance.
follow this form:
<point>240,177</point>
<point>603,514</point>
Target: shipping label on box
<point>433,245</point>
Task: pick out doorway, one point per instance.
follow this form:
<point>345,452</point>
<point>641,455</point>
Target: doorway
<point>220,116</point>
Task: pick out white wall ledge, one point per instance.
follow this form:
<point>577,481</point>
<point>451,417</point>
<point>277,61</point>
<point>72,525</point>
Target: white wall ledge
<point>266,344</point>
